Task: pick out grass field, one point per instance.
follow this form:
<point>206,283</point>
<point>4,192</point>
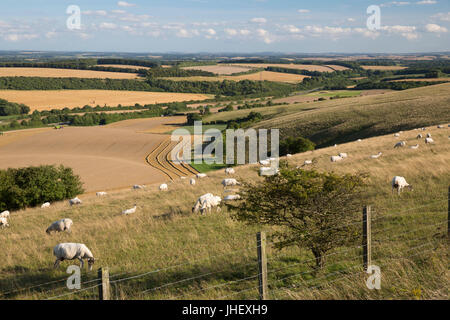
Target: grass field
<point>214,257</point>
<point>63,73</point>
<point>109,157</point>
<point>258,76</point>
<point>58,99</point>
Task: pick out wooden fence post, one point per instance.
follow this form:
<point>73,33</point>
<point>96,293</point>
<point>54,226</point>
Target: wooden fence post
<point>367,237</point>
<point>262,265</point>
<point>103,289</point>
<point>448,216</point>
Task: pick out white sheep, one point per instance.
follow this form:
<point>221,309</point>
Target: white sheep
<point>230,182</point>
<point>5,214</point>
<point>129,211</point>
<point>400,144</point>
<point>264,162</point>
<point>343,155</point>
<point>229,171</point>
<point>75,201</point>
<point>440,126</point>
<point>209,203</point>
<point>414,147</point>
<point>289,155</point>
<point>268,171</point>
<point>397,135</point>
<point>359,140</point>
<point>307,162</point>
<point>201,175</point>
<point>429,140</point>
<point>72,251</point>
<point>336,158</point>
<point>138,187</point>
<point>199,202</point>
<point>376,156</point>
<point>4,222</point>
<point>60,226</point>
<point>400,183</point>
<point>101,194</point>
<point>45,205</point>
<point>232,197</point>
<point>428,135</point>
<point>192,182</point>
<point>163,187</point>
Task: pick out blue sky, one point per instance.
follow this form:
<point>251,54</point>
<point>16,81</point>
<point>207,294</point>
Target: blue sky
<point>226,26</point>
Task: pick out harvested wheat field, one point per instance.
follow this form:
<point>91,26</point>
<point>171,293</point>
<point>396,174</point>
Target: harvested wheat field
<point>59,99</point>
<point>308,67</point>
<point>258,76</point>
<point>383,68</point>
<point>220,69</point>
<point>106,158</point>
<point>63,73</point>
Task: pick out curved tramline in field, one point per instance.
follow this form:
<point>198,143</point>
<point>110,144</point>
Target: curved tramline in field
<point>160,158</point>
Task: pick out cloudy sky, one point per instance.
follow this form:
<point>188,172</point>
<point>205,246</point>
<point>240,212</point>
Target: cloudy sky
<point>225,26</point>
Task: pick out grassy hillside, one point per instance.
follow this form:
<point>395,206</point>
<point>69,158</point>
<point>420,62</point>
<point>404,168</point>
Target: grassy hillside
<point>175,254</point>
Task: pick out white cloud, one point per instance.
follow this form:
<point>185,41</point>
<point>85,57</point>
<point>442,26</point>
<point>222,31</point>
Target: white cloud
<point>264,34</point>
<point>351,19</point>
<point>244,32</point>
<point>395,3</point>
<point>442,16</point>
<point>107,25</point>
<point>125,4</point>
<point>95,13</point>
<point>231,32</point>
<point>14,37</point>
<point>211,32</point>
<point>427,2</point>
<point>51,34</point>
<point>435,28</point>
<point>259,20</point>
<point>119,11</point>
<point>292,29</point>
<point>303,11</point>
<point>408,32</point>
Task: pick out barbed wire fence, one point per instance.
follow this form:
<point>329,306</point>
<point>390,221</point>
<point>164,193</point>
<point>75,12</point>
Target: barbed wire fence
<point>261,278</point>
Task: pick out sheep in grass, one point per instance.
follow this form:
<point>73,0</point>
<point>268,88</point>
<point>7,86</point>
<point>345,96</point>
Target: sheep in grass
<point>400,183</point>
<point>198,204</point>
<point>400,144</point>
<point>72,251</point>
<point>232,197</point>
<point>192,182</point>
<point>307,162</point>
<point>60,226</point>
<point>343,155</point>
<point>4,222</point>
<point>336,158</point>
<point>230,182</point>
<point>5,214</point>
<point>429,140</point>
<point>289,155</point>
<point>440,127</point>
<point>419,136</point>
<point>266,171</point>
<point>75,201</point>
<point>101,194</point>
<point>163,187</point>
<point>397,135</point>
<point>138,187</point>
<point>414,147</point>
<point>45,205</point>
<point>229,171</point>
<point>376,156</point>
<point>129,211</point>
<point>428,135</point>
<point>201,175</point>
<point>209,203</point>
<point>264,162</point>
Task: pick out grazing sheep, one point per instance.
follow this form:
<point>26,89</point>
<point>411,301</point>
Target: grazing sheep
<point>397,135</point>
<point>343,155</point>
<point>5,214</point>
<point>267,171</point>
<point>414,147</point>
<point>210,203</point>
<point>399,183</point>
<point>192,182</point>
<point>429,140</point>
<point>163,187</point>
<point>230,182</point>
<point>45,205</point>
<point>75,201</point>
<point>335,145</point>
<point>199,202</point>
<point>229,171</point>
<point>376,156</point>
<point>201,175</point>
<point>264,162</point>
<point>138,187</point>
<point>400,144</point>
<point>4,222</point>
<point>232,197</point>
<point>60,226</point>
<point>336,158</point>
<point>419,136</point>
<point>428,135</point>
<point>101,194</point>
<point>307,162</point>
<point>440,127</point>
<point>129,211</point>
<point>72,251</point>
<point>289,155</point>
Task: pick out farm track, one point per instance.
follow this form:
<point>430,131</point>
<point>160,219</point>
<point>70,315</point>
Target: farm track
<point>160,159</point>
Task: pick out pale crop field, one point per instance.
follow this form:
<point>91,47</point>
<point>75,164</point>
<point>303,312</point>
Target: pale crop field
<point>59,99</point>
<point>307,67</point>
<point>220,69</point>
<point>64,73</point>
<point>383,68</point>
<point>258,76</point>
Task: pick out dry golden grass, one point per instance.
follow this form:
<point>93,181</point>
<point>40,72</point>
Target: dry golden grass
<point>58,99</point>
<point>220,69</point>
<point>164,233</point>
<point>258,76</point>
<point>63,73</point>
<point>383,68</point>
<point>109,157</point>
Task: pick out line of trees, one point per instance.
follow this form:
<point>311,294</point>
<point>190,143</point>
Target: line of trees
<point>10,108</point>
